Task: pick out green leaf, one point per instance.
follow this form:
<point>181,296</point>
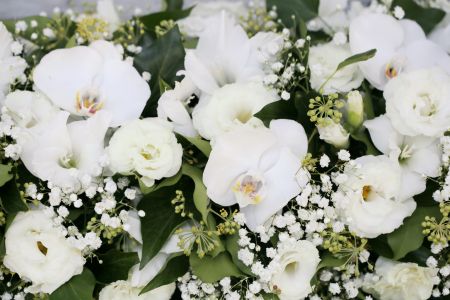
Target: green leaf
<point>72,42</point>
<point>159,222</point>
<point>302,10</point>
<point>172,5</point>
<point>201,200</point>
<point>79,287</point>
<point>212,269</point>
<point>200,144</point>
<point>409,236</point>
<point>10,198</point>
<point>270,296</point>
<point>5,174</point>
<point>329,261</point>
<point>164,183</point>
<point>175,267</point>
<point>115,266</point>
<point>427,17</point>
<point>380,246</point>
<point>42,22</point>
<point>277,110</point>
<point>152,20</point>
<point>162,59</point>
<point>356,59</point>
<point>232,247</point>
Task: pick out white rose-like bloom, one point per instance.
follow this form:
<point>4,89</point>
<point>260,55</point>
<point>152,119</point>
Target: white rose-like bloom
<point>11,67</point>
<point>401,281</point>
<point>203,13</point>
<point>231,105</point>
<point>28,109</point>
<point>371,202</point>
<point>122,290</point>
<point>148,147</point>
<point>417,102</point>
<point>86,79</point>
<point>37,251</point>
<point>333,133</point>
<point>323,61</point>
<point>298,263</point>
<point>256,168</point>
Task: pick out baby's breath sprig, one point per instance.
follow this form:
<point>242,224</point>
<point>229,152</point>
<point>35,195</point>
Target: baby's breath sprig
<point>107,232</point>
<point>324,108</point>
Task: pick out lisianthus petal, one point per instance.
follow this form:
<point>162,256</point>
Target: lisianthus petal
<point>412,184</point>
<point>63,73</point>
<point>426,161</point>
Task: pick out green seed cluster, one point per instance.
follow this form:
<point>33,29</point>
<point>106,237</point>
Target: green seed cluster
<point>197,237</point>
<point>324,108</point>
<point>106,232</point>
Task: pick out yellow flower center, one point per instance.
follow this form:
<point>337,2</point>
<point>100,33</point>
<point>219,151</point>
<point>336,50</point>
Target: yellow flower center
<point>366,192</point>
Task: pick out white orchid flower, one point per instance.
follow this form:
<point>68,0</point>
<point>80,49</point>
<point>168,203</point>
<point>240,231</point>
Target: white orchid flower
<point>401,47</point>
<point>256,168</point>
<point>84,80</point>
<point>62,153</point>
<point>417,155</point>
<point>224,55</point>
<point>108,13</point>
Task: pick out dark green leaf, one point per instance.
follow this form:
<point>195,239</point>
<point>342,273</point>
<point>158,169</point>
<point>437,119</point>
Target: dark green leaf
<point>277,110</point>
<point>10,198</point>
<point>152,20</point>
<point>5,174</point>
<point>356,59</point>
<point>172,5</point>
<point>164,183</point>
<point>232,247</point>
<point>329,261</point>
<point>201,200</point>
<point>159,222</point>
<point>418,256</point>
<point>79,287</point>
<point>212,269</point>
<point>302,10</point>
<point>175,267</point>
<point>409,236</point>
<point>427,17</point>
<point>269,296</point>
<point>380,246</point>
<point>200,144</point>
<point>162,59</point>
<point>115,266</point>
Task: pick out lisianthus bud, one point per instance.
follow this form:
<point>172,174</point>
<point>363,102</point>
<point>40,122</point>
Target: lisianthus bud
<point>333,133</point>
<point>355,109</point>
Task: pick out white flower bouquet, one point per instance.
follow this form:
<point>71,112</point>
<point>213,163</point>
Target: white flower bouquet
<point>279,149</point>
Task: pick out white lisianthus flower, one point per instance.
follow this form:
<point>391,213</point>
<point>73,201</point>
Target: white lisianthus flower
<point>401,47</point>
<point>256,168</point>
<point>298,262</point>
<point>323,61</point>
<point>401,281</point>
<point>123,290</point>
<point>333,133</point>
<point>204,13</point>
<point>230,106</point>
<point>63,153</point>
<point>11,67</point>
<point>371,204</point>
<point>172,106</point>
<point>29,109</point>
<point>441,32</point>
<point>417,155</point>
<point>84,80</point>
<point>148,147</point>
<point>417,102</point>
<point>233,60</point>
<point>38,252</point>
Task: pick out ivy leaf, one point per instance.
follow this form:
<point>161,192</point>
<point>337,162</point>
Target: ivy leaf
<point>10,198</point>
<point>302,10</point>
<point>116,265</point>
<point>212,269</point>
<point>163,58</point>
<point>79,287</point>
<point>232,247</point>
<point>174,5</point>
<point>427,17</point>
<point>409,236</point>
<point>159,222</point>
<point>175,267</point>
<point>5,174</point>
<point>201,200</point>
<point>356,59</point>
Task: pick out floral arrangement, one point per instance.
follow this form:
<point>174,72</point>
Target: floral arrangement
<point>279,149</point>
